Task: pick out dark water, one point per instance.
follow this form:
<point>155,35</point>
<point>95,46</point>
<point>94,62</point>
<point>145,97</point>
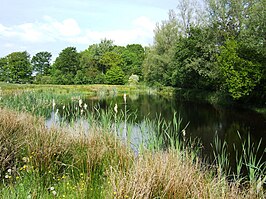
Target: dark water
<point>204,121</point>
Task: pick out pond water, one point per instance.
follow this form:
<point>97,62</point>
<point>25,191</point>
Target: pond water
<point>203,120</point>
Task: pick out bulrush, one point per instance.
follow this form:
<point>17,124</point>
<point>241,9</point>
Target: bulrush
<point>80,103</point>
<point>115,109</point>
<point>53,104</point>
<point>85,106</point>
<point>125,98</point>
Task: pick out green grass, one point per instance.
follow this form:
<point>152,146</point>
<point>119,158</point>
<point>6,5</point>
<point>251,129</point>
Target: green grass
<point>71,162</point>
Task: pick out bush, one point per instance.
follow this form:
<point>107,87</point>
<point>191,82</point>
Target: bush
<point>133,80</point>
<point>115,76</point>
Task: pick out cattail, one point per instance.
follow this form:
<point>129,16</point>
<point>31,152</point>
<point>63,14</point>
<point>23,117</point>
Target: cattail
<point>125,98</point>
<point>115,108</point>
<point>85,106</point>
<point>80,103</point>
<point>53,104</point>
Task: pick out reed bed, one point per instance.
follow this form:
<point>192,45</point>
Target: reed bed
<point>37,162</point>
<point>69,161</point>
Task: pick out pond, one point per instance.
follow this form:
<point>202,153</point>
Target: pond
<point>200,120</point>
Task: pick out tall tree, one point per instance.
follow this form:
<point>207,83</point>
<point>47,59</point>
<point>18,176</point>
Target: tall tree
<point>3,64</point>
<point>41,62</point>
<point>18,68</point>
<point>158,64</point>
<point>66,66</point>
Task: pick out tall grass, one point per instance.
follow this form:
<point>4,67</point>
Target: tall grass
<point>66,162</point>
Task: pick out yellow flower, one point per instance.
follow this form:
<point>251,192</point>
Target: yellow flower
<point>115,193</point>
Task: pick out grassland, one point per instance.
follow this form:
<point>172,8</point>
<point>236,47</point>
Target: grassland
<point>66,162</point>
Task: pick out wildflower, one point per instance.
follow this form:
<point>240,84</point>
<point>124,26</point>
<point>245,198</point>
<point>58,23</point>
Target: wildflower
<point>54,193</point>
<point>80,103</point>
<point>125,98</point>
<point>25,159</point>
<point>51,188</point>
<point>17,177</point>
<point>115,108</point>
<point>9,171</point>
<point>115,193</point>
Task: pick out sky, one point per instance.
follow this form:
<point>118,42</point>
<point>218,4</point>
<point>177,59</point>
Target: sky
<point>52,25</point>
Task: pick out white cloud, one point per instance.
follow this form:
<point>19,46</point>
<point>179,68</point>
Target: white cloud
<point>141,31</point>
<point>69,31</point>
<point>47,31</point>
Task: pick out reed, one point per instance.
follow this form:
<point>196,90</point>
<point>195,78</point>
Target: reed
<point>74,162</point>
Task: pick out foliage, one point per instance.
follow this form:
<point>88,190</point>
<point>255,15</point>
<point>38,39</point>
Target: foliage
<point>41,62</point>
<point>133,80</point>
<point>241,76</point>
<point>64,162</point>
<point>17,68</point>
<point>115,75</point>
<point>66,66</point>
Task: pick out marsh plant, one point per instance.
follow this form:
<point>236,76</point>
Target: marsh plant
<point>101,162</point>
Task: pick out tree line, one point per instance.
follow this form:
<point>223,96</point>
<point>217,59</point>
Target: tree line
<point>103,63</point>
<point>218,45</point>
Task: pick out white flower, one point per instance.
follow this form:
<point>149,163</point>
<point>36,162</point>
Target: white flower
<point>54,193</point>
<point>51,188</point>
<point>115,108</point>
<point>9,170</point>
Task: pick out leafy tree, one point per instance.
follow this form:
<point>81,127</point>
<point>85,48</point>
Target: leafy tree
<point>115,75</point>
<point>159,64</point>
<point>110,59</point>
<point>41,62</point>
<point>134,57</point>
<point>3,65</point>
<point>66,66</point>
<point>195,57</point>
<point>241,76</point>
<point>18,68</point>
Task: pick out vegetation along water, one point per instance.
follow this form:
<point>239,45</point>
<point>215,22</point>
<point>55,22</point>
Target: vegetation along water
<point>67,130</point>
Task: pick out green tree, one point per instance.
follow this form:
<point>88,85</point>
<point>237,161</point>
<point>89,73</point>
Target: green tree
<point>241,76</point>
<point>41,62</point>
<point>110,59</point>
<point>3,64</point>
<point>18,68</point>
<point>66,66</point>
<point>158,66</point>
<point>115,75</point>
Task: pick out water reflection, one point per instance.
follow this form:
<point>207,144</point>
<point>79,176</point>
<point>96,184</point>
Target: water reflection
<point>205,121</point>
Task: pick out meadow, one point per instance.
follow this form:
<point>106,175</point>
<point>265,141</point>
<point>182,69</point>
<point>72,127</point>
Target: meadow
<point>69,161</point>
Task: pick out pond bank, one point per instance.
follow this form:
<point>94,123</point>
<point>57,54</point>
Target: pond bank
<point>41,163</point>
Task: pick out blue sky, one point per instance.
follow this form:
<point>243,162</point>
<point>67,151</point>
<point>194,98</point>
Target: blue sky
<point>52,25</point>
